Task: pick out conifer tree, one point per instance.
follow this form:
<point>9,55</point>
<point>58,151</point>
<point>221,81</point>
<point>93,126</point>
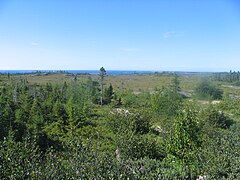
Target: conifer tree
<point>108,94</point>
<point>72,120</point>
<point>102,74</point>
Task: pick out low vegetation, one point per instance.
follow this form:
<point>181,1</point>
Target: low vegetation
<point>78,127</point>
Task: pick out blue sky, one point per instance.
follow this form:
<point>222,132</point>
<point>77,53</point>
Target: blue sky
<point>185,35</point>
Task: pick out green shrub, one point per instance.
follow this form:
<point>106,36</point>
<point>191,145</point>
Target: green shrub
<point>218,119</point>
<point>166,102</point>
<point>206,90</point>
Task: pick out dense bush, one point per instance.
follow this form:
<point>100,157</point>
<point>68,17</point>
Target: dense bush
<point>207,90</point>
<point>166,102</point>
<point>218,119</point>
<point>220,156</point>
<point>20,160</point>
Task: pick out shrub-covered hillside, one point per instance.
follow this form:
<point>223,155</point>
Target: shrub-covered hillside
<point>91,129</point>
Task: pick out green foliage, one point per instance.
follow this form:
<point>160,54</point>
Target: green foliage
<point>218,119</point>
<point>227,77</point>
<point>166,102</point>
<point>136,146</point>
<point>93,90</point>
<point>231,106</point>
<point>185,140</point>
<point>176,83</point>
<point>130,130</point>
<point>102,73</point>
<point>206,90</point>
<point>19,160</point>
<point>108,95</point>
<point>123,120</point>
<point>220,156</point>
<point>58,131</point>
<point>128,98</point>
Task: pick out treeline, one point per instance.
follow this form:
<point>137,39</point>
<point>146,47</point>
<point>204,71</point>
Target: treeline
<point>227,76</point>
<point>62,131</point>
<point>49,110</point>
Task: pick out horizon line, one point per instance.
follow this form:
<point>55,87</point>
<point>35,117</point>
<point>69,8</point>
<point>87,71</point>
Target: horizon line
<point>55,70</point>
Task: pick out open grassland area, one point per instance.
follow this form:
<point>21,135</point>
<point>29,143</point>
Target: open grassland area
<point>138,83</point>
<point>134,82</point>
<point>55,78</point>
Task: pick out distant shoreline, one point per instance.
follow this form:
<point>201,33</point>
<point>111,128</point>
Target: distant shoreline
<point>92,72</point>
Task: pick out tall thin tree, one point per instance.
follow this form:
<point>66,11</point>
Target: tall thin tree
<point>102,74</point>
